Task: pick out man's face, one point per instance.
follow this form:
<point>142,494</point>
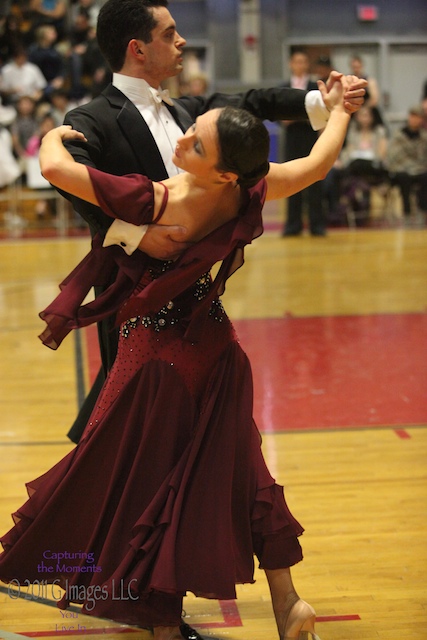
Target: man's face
<point>163,55</point>
<point>415,121</point>
<point>299,64</point>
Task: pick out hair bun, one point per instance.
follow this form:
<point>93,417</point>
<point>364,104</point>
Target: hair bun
<point>250,178</point>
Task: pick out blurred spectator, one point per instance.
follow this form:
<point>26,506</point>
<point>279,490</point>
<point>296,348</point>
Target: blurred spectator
<point>323,67</point>
<point>96,72</point>
<point>92,7</point>
<point>52,12</point>
<point>24,126</point>
<point>407,160</point>
<point>49,60</point>
<point>330,184</point>
<point>34,177</point>
<point>299,139</point>
<point>361,163</point>
<point>365,150</point>
<point>9,167</point>
<point>11,37</point>
<point>7,114</point>
<point>373,94</point>
<point>19,77</point>
<point>20,21</point>
<point>60,105</point>
<point>198,85</point>
<point>46,123</point>
<point>79,36</point>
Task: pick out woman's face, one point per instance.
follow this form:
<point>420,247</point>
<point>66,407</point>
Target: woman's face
<point>365,117</point>
<point>197,151</point>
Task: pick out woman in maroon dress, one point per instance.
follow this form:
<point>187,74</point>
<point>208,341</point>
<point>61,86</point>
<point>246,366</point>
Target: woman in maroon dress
<point>168,491</point>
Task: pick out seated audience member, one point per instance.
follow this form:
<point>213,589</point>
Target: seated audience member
<point>19,77</point>
<point>52,12</point>
<point>60,105</point>
<point>91,6</point>
<point>44,54</point>
<point>365,150</point>
<point>46,123</point>
<point>95,69</point>
<point>11,37</point>
<point>19,25</point>
<point>407,160</point>
<point>9,166</point>
<point>24,126</point>
<point>79,37</point>
<point>360,166</point>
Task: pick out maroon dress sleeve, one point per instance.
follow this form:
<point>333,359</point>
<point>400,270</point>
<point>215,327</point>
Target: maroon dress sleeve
<point>129,198</point>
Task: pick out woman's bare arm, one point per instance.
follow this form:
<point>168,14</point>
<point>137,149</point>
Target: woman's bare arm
<point>285,179</point>
<point>59,167</point>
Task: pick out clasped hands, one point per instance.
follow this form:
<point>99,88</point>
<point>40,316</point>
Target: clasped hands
<point>353,91</point>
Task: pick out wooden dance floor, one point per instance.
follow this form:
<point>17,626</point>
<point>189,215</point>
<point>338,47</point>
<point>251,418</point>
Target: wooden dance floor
<point>336,329</point>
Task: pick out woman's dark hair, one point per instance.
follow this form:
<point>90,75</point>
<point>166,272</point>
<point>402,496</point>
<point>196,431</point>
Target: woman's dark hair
<point>119,21</point>
<point>244,145</point>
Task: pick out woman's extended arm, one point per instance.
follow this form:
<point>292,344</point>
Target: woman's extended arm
<point>59,167</point>
<point>285,179</point>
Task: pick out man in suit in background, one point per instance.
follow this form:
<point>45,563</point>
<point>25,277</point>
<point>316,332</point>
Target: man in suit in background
<point>299,139</point>
<point>132,128</point>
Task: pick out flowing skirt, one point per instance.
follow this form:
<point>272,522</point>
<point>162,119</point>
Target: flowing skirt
<point>168,490</point>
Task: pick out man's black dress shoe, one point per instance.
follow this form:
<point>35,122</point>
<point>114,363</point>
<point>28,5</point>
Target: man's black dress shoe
<point>188,632</point>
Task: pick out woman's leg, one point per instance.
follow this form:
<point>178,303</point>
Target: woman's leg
<point>283,595</point>
<point>294,617</point>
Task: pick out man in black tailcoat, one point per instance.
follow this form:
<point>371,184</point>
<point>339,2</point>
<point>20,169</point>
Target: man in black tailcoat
<point>131,127</point>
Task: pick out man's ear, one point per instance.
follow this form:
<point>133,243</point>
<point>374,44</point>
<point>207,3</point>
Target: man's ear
<point>135,47</point>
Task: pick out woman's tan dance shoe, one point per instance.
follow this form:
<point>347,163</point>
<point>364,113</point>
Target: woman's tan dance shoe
<point>300,622</point>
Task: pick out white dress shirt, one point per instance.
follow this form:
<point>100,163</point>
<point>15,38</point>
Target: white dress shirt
<point>166,133</point>
<point>317,112</point>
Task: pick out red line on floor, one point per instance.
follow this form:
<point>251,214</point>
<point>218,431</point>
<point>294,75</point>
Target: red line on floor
<point>338,618</point>
<point>402,433</point>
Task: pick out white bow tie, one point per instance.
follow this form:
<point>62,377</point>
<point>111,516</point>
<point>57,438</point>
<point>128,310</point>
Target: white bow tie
<point>161,95</point>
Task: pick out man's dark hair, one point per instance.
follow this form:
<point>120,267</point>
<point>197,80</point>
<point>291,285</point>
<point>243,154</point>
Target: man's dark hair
<point>119,21</point>
<point>244,145</point>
